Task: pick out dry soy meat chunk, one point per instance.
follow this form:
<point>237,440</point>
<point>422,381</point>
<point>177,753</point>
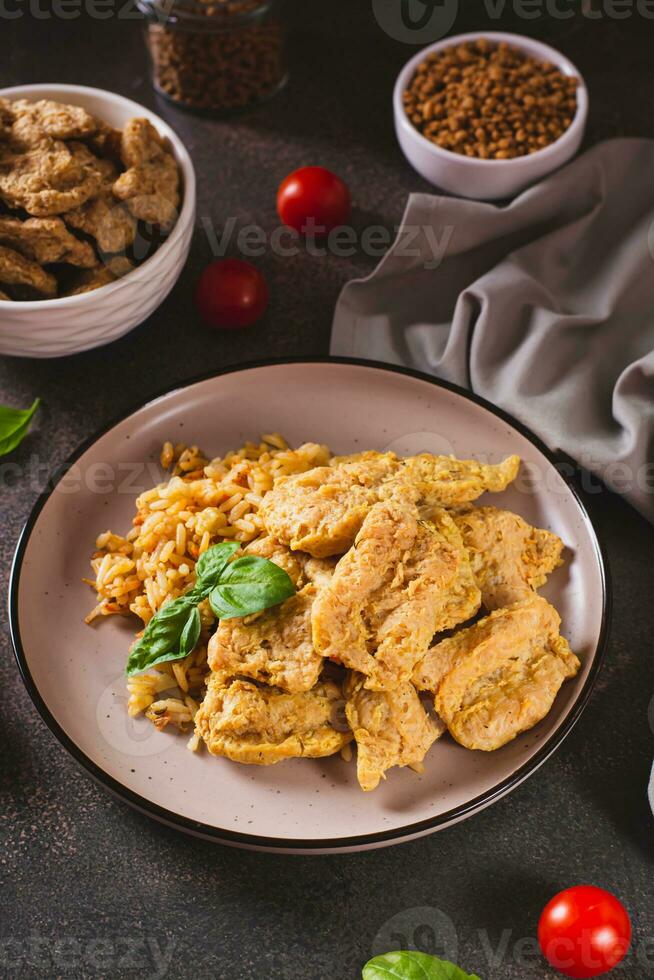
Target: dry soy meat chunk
<point>103,217</point>
<point>34,121</point>
<point>26,276</point>
<point>150,185</point>
<point>49,179</point>
<point>45,240</point>
<point>87,281</point>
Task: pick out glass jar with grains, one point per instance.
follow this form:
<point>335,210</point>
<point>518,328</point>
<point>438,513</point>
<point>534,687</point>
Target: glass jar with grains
<point>215,56</point>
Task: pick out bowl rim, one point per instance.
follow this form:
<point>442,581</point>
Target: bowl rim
<point>325,845</point>
<point>184,218</point>
<point>531,46</point>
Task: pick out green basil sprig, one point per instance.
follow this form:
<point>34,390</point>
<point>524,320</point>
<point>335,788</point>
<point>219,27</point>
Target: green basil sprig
<point>238,588</point>
<point>14,425</point>
<point>167,636</point>
<point>410,965</point>
<point>247,585</point>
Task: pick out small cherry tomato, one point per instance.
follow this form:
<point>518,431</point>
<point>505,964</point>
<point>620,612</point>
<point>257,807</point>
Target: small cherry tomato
<point>584,931</point>
<point>313,198</point>
<point>231,293</point>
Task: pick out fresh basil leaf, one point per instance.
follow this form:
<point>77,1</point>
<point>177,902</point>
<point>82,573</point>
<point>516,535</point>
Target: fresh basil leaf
<point>410,965</point>
<point>249,585</point>
<point>191,633</point>
<point>162,636</point>
<point>14,425</point>
<point>211,564</point>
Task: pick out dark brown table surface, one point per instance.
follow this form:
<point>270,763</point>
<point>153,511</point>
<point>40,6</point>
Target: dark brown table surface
<point>92,889</point>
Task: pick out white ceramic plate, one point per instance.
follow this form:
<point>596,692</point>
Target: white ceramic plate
<point>74,672</point>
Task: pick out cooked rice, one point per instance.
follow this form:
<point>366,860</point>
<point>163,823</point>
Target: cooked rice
<point>203,503</point>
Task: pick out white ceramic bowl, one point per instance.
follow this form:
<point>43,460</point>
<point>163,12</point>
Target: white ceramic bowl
<point>56,327</point>
<point>487,180</point>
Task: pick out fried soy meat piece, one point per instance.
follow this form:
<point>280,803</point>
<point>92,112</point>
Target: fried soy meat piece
<point>25,276</point>
<point>48,179</point>
<point>150,185</point>
<point>441,481</point>
<point>499,677</point>
<point>301,568</point>
<point>292,562</point>
<point>404,580</point>
<point>509,557</point>
<point>261,725</point>
<point>391,728</point>
<point>45,240</point>
<point>275,646</point>
<point>3,296</point>
<point>103,217</point>
<point>322,510</point>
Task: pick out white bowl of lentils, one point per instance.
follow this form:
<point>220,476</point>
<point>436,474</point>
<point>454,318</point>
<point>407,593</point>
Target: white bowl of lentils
<point>485,115</point>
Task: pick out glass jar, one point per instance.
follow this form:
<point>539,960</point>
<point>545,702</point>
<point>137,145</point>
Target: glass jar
<point>215,56</point>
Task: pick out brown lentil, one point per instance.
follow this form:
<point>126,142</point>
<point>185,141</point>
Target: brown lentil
<point>490,100</point>
<point>218,56</point>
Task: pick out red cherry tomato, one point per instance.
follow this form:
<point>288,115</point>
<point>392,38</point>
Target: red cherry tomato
<point>231,293</point>
<point>584,931</point>
<point>313,197</point>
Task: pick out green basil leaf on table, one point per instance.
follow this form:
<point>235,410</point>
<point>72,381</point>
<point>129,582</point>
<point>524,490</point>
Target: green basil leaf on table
<point>191,633</point>
<point>249,585</point>
<point>211,564</point>
<point>14,425</point>
<point>410,965</point>
<point>162,636</point>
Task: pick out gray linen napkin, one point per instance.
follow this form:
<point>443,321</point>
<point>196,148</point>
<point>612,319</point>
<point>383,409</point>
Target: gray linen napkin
<point>544,306</point>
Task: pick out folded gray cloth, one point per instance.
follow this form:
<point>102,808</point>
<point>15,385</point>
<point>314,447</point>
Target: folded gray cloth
<point>544,306</point>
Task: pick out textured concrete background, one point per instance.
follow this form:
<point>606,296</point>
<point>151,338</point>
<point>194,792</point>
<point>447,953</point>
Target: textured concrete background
<point>90,888</point>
